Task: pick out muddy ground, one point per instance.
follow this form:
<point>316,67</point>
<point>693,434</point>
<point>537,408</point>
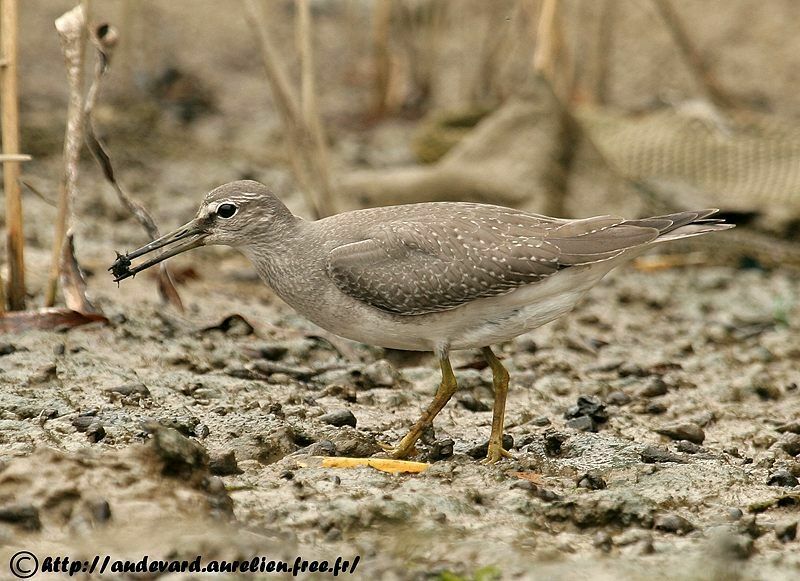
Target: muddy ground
<point>174,435</point>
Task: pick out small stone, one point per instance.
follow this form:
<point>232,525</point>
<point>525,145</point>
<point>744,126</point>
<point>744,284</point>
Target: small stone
<point>732,451</point>
<point>683,431</point>
<point>735,513</point>
<point>588,405</point>
<point>541,421</point>
<point>84,420</point>
<point>791,444</point>
<point>441,449</point>
<point>179,454</point>
<point>786,531</point>
<point>321,448</point>
<point>95,432</point>
<point>655,408</point>
<point>59,349</point>
<point>339,418</point>
<point>591,481</point>
<point>618,398</point>
<point>25,516</point>
<point>135,389</point>
<point>354,443</point>
<point>654,388</point>
<point>672,523</point>
<point>7,349</point>
<point>688,447</point>
<point>582,424</point>
<point>653,454</point>
<point>782,478</point>
<point>224,464</point>
<point>201,431</point>
<point>473,404</point>
<point>480,451</point>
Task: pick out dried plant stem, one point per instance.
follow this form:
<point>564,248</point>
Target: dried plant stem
<point>549,58</point>
<point>310,109</point>
<point>11,168</point>
<point>692,56</point>
<point>71,27</point>
<point>381,56</point>
<point>305,158</point>
<point>604,47</point>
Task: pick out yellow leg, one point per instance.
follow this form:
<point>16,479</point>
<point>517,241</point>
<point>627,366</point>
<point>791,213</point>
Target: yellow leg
<point>446,390</point>
<point>500,383</point>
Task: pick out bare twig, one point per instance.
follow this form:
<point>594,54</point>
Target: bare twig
<point>104,39</point>
<point>72,281</point>
<point>11,168</point>
<point>381,56</point>
<point>14,157</point>
<point>692,56</point>
<point>549,58</point>
<point>310,109</point>
<point>304,156</point>
<point>71,27</point>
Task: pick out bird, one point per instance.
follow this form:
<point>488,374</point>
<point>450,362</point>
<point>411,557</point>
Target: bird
<point>433,276</point>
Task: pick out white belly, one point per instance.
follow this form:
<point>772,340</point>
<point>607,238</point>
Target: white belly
<point>477,324</point>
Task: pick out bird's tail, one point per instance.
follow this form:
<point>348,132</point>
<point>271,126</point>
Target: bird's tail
<point>682,224</point>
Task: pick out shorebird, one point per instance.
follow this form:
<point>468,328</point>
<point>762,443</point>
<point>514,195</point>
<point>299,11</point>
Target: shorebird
<point>435,276</point>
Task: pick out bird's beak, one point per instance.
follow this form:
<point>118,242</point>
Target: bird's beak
<point>190,235</point>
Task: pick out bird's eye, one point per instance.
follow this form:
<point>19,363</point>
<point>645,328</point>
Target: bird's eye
<point>226,210</point>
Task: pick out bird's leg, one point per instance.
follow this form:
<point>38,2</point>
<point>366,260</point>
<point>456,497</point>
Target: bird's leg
<point>446,390</point>
<point>500,383</point>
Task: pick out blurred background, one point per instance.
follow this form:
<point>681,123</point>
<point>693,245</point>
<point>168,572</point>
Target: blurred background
<point>170,432</point>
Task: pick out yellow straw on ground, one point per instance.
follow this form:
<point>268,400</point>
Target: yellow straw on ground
<point>382,464</point>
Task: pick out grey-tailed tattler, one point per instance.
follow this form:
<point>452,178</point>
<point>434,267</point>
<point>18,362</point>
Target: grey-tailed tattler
<point>435,276</point>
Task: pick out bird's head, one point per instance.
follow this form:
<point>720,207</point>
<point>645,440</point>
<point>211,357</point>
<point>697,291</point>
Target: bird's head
<point>235,214</point>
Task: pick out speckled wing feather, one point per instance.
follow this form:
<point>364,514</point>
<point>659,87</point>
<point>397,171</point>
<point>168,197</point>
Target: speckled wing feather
<point>449,254</point>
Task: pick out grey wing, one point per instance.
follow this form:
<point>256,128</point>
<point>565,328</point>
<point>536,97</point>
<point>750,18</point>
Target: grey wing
<point>421,266</point>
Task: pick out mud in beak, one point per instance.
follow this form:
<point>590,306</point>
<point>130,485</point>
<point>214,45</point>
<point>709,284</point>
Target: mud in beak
<point>188,236</point>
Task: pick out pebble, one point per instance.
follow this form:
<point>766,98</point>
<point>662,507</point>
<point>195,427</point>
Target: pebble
<point>791,444</point>
<point>541,421</point>
<point>655,408</point>
<point>582,424</point>
<point>179,454</point>
<point>588,405</point>
<point>683,431</point>
<point>480,451</point>
<point>321,448</point>
<point>441,450</point>
<point>25,516</point>
<point>95,432</point>
<point>381,373</point>
<point>591,481</point>
<point>653,454</point>
<point>688,447</point>
<point>735,513</point>
<point>673,523</point>
<point>134,390</point>
<point>224,464</point>
<point>782,478</point>
<point>655,387</point>
<point>7,349</point>
<point>353,443</point>
<point>618,398</point>
<point>339,418</point>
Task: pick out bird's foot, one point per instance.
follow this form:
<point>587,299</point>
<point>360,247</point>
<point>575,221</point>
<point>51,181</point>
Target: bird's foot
<point>495,453</point>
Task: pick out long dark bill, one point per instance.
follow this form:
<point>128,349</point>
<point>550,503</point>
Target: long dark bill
<point>191,234</point>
